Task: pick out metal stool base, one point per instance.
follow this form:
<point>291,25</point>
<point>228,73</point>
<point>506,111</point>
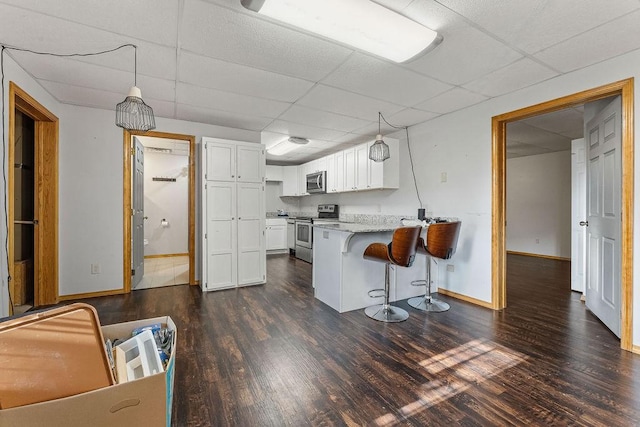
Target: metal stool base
<point>388,313</point>
<point>423,303</point>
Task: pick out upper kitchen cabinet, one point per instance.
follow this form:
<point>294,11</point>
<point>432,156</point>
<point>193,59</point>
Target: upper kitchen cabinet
<point>230,161</point>
<point>385,174</point>
<point>290,181</point>
<point>273,173</point>
<point>352,170</point>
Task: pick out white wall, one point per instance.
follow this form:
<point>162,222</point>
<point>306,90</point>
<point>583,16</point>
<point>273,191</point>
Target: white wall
<point>90,200</point>
<point>539,204</point>
<point>458,143</point>
<point>166,200</point>
<point>273,201</point>
<point>17,75</point>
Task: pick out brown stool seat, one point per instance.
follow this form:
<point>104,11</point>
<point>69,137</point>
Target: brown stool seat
<point>440,243</point>
<point>401,251</point>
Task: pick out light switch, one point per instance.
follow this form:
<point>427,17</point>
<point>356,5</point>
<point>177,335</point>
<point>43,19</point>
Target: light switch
<point>443,177</point>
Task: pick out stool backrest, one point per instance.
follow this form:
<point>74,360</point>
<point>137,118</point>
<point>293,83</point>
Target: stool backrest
<point>442,239</point>
<point>403,245</point>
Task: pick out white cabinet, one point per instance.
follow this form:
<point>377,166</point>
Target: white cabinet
<point>385,174</point>
<point>273,173</point>
<point>335,172</point>
<point>302,179</point>
<point>233,214</point>
<point>276,234</point>
<point>290,181</point>
<point>349,170</point>
<point>227,161</point>
<point>362,167</point>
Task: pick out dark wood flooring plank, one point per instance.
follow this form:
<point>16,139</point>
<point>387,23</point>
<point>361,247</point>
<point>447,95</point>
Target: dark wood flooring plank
<point>273,355</point>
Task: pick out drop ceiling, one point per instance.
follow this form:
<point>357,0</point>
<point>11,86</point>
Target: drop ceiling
<point>216,62</point>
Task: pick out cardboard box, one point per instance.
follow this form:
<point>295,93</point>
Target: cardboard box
<point>143,402</point>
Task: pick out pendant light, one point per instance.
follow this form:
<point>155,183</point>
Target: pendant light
<point>133,113</point>
<point>379,151</point>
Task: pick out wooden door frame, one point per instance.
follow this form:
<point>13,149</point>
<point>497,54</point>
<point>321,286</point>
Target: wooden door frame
<point>45,262</point>
<point>126,213</point>
<point>624,88</point>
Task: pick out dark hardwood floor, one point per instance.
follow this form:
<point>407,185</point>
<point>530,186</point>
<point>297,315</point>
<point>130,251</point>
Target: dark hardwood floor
<point>274,356</point>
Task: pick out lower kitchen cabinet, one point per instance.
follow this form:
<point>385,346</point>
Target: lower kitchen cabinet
<point>276,234</point>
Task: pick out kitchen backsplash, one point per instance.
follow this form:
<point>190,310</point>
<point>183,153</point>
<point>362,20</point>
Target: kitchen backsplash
<point>359,218</point>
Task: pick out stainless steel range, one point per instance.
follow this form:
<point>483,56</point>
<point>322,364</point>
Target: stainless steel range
<point>304,230</point>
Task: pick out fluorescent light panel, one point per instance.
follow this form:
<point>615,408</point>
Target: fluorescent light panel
<point>362,24</point>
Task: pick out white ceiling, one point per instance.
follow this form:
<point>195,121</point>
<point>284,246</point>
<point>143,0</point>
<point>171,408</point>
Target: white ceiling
<point>215,62</point>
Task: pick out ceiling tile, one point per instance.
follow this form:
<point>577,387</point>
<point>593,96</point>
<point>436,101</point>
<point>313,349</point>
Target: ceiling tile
<point>568,122</point>
<point>250,40</point>
<point>464,55</point>
<point>271,138</point>
<point>452,100</point>
<point>156,20</point>
<point>607,41</point>
<point>384,80</point>
<point>220,118</point>
<point>522,150</point>
<point>322,119</point>
<point>525,134</point>
<point>77,95</point>
<point>303,131</point>
<point>230,77</point>
<point>410,116</point>
<point>516,76</point>
<point>532,26</point>
<point>76,73</point>
<point>347,103</point>
<point>226,101</point>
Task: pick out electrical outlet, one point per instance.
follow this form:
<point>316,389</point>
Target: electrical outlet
<point>95,268</point>
<point>450,267</point>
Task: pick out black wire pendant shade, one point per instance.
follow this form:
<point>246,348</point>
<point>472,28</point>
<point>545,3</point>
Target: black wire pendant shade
<point>379,151</point>
<point>133,113</point>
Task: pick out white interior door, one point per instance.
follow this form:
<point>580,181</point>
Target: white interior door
<point>604,175</point>
<point>578,213</point>
<point>137,222</point>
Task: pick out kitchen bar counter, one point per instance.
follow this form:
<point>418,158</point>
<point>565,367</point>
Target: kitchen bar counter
<point>342,278</point>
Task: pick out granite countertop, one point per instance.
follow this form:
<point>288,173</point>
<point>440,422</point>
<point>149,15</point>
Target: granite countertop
<point>351,227</point>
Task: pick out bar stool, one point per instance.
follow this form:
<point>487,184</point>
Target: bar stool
<point>401,251</point>
<point>441,242</point>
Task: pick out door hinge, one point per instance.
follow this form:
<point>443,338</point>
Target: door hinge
<point>133,272</point>
<point>133,212</point>
<point>205,176</point>
<point>205,235</point>
<point>205,186</point>
<point>133,151</point>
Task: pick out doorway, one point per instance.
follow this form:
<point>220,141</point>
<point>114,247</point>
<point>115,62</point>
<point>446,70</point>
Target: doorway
<point>165,193</point>
<point>32,202</point>
<point>499,123</point>
<point>161,140</point>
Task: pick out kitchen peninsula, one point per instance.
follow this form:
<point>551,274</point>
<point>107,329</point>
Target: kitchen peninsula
<point>342,278</point>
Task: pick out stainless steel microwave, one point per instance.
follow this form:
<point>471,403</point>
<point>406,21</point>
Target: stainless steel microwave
<point>316,182</point>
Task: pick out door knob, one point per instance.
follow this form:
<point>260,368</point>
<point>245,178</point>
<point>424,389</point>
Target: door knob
<point>584,223</point>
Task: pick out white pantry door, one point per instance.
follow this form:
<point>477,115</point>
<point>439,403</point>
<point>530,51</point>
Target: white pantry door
<point>604,141</point>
